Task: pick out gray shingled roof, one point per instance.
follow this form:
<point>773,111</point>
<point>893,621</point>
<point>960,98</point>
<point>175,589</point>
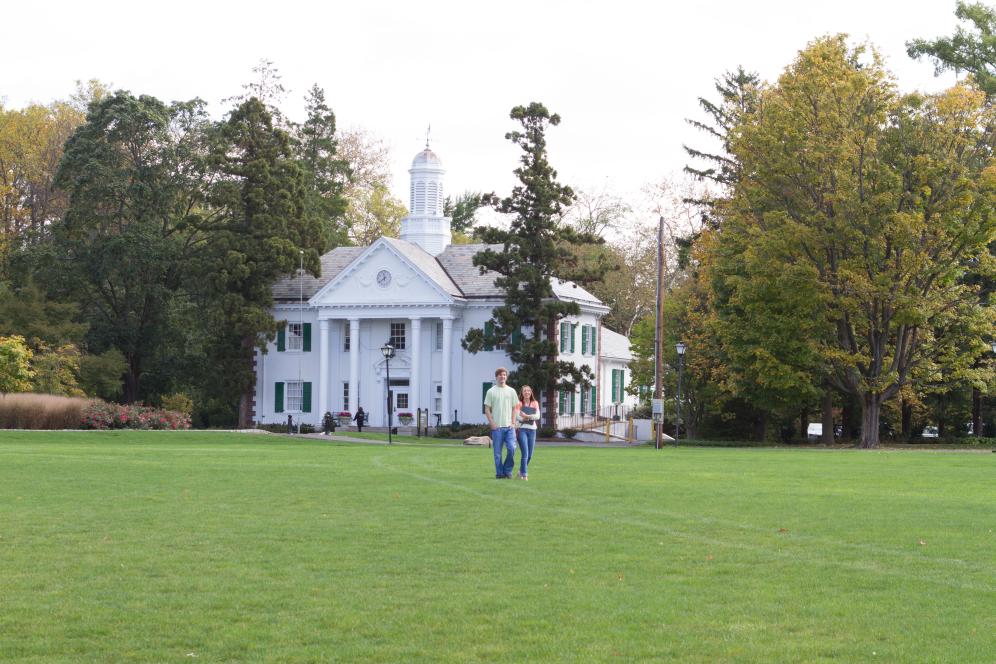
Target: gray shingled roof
<point>615,345</point>
<point>453,271</point>
<point>458,261</point>
<point>334,262</point>
<point>568,290</point>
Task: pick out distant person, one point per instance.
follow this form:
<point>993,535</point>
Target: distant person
<point>527,414</point>
<point>499,403</point>
<point>359,417</point>
<point>328,423</point>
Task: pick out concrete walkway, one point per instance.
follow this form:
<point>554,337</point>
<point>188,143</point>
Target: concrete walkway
<point>346,438</point>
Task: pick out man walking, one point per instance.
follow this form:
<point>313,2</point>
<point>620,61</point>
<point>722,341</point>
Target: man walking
<point>499,402</point>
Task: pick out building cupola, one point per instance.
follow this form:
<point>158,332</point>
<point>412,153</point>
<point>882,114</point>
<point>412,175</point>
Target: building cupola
<point>425,224</point>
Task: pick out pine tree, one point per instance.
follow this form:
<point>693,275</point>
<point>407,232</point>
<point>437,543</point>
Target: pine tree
<point>325,173</point>
<point>535,250</point>
<point>263,234</point>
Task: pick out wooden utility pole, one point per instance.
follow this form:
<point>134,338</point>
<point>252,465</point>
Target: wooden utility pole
<point>659,335</point>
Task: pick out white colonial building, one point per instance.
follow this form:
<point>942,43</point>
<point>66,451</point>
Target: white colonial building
<point>422,294</point>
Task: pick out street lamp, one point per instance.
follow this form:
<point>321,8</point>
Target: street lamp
<point>388,351</point>
<point>680,347</point>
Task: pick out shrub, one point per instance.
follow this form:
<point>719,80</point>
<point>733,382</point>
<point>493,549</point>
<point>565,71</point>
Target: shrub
<point>568,433</point>
<point>102,415</point>
<point>546,432</point>
<point>40,411</point>
<point>463,431</point>
<point>179,403</point>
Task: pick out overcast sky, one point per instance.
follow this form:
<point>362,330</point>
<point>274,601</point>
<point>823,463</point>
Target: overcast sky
<point>622,74</point>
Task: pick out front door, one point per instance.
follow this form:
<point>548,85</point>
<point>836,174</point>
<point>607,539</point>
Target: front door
<point>400,402</point>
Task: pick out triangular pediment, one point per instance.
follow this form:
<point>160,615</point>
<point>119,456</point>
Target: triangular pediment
<point>381,275</point>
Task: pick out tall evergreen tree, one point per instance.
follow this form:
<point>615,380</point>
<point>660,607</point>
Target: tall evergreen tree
<point>535,250</point>
<point>325,173</point>
<point>263,233</point>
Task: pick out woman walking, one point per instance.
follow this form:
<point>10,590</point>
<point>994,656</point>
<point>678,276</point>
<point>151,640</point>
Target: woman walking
<point>527,414</point>
<point>360,415</point>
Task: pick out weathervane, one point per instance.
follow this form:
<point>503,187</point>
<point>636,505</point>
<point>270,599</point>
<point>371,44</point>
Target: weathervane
<point>427,130</point>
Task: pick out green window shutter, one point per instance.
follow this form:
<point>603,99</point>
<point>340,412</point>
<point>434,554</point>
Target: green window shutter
<point>307,338</point>
<point>306,398</point>
<point>484,392</point>
<point>572,402</point>
<point>561,401</point>
<point>594,400</point>
<point>516,338</point>
<point>573,327</point>
<point>615,384</point>
<point>584,340</point>
<point>622,384</point>
<point>278,397</point>
<point>563,337</point>
<point>593,335</point>
<point>489,332</point>
<point>281,340</point>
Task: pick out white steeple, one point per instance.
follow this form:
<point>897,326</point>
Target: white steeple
<point>425,224</point>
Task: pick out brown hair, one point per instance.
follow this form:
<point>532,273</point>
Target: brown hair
<point>522,394</point>
<point>499,370</point>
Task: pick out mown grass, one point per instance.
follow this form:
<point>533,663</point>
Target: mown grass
<point>187,546</point>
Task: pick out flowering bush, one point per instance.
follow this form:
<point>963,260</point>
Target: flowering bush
<point>405,417</point>
<point>345,414</point>
<point>102,415</point>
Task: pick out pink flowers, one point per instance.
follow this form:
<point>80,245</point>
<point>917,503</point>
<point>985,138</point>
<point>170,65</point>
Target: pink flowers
<point>101,415</point>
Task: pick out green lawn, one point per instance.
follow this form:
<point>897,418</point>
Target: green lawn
<point>213,547</point>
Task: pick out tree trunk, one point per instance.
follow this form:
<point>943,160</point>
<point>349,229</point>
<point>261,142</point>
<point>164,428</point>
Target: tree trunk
<point>131,377</point>
<point>976,412</point>
<point>550,405</point>
<point>906,409</point>
<point>871,410</point>
<point>804,424</point>
<point>827,418</point>
<point>246,398</point>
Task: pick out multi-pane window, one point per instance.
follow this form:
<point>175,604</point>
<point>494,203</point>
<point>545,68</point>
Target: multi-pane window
<point>295,336</point>
<point>295,395</point>
<point>345,338</point>
<point>345,396</point>
<point>437,402</point>
<point>402,398</point>
<point>439,335</point>
<point>398,336</point>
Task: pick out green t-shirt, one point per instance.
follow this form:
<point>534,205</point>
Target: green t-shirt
<point>502,401</point>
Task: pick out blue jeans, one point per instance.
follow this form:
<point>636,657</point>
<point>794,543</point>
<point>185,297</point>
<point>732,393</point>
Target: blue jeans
<point>503,437</point>
<point>527,441</point>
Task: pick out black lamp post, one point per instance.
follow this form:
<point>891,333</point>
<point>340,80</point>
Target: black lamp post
<point>388,351</point>
<point>680,347</point>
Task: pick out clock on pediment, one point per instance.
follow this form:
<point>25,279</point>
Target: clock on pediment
<point>383,278</point>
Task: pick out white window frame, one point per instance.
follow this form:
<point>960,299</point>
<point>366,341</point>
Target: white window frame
<point>398,340</point>
<point>345,396</point>
<point>439,336</point>
<point>295,337</point>
<point>346,341</point>
<point>290,397</point>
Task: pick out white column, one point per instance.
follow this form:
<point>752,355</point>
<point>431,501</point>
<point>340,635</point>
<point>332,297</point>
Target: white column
<point>413,383</point>
<point>323,367</point>
<point>354,364</point>
<point>447,359</point>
